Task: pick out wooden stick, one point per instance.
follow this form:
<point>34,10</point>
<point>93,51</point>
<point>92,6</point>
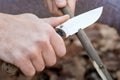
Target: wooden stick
<point>92,53</point>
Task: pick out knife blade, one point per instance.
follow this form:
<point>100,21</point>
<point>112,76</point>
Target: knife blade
<point>81,21</point>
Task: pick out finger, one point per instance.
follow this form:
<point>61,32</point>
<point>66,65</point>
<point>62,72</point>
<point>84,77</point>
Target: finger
<point>24,64</point>
<point>45,3</point>
<point>48,54</point>
<point>71,4</point>
<point>37,60</point>
<point>61,3</point>
<point>54,21</point>
<point>27,68</point>
<point>49,5</point>
<point>56,10</point>
<point>58,45</point>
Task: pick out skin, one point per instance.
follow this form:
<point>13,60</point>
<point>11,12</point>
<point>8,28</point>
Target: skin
<point>30,43</point>
<point>55,5</point>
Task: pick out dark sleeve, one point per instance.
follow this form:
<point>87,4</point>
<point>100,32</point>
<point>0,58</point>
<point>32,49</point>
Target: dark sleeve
<point>24,6</point>
<point>110,16</point>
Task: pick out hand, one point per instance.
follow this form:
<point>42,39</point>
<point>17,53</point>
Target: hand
<point>30,43</point>
<point>54,5</point>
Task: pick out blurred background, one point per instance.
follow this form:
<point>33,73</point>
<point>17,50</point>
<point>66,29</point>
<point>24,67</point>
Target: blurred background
<point>76,65</point>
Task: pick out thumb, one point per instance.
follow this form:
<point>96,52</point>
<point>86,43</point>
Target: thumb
<point>54,21</point>
<point>61,3</point>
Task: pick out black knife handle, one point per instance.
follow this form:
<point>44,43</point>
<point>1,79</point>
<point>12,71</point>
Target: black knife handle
<point>61,32</point>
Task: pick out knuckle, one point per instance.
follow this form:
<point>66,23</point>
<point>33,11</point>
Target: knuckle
<point>52,33</point>
<point>49,29</point>
<point>32,52</point>
<point>44,42</point>
<point>30,15</point>
<point>33,55</point>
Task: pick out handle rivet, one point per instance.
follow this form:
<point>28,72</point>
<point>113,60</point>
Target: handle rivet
<point>61,26</point>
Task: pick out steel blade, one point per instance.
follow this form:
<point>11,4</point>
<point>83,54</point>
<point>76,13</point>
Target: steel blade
<point>82,21</point>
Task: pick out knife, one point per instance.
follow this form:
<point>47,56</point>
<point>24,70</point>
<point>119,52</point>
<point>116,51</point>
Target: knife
<point>81,21</point>
<point>75,25</point>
